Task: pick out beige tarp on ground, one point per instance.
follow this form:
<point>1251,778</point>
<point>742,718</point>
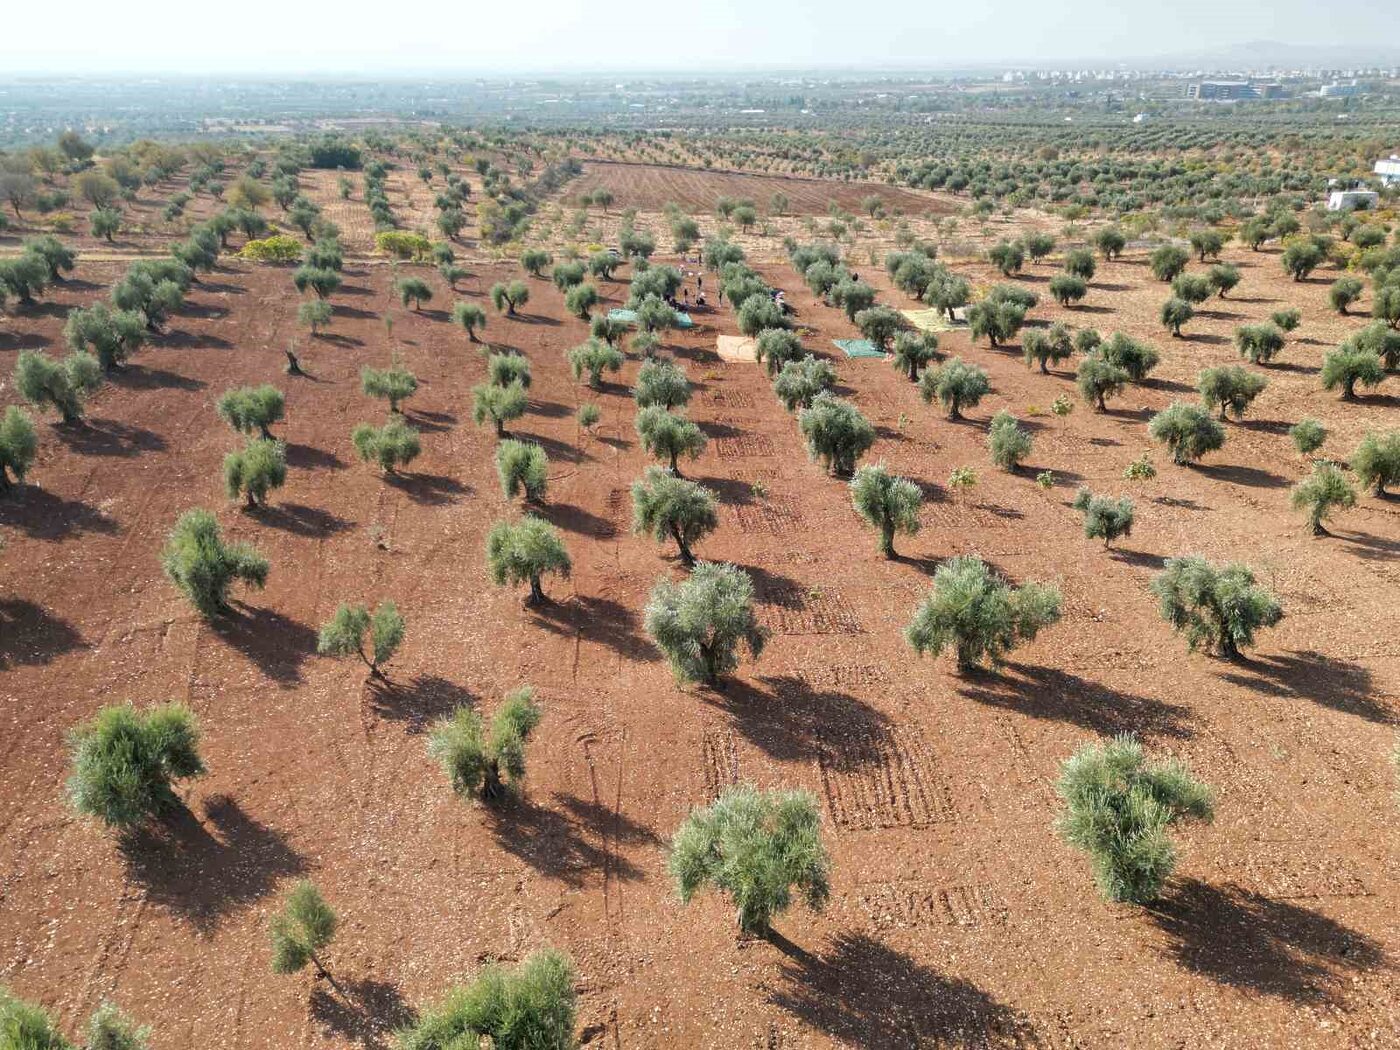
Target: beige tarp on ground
<point>935,320</point>
<point>737,349</point>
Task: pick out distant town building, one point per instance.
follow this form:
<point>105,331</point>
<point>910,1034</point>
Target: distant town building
<point>1389,170</point>
<point>1337,89</point>
<point>1221,90</point>
<point>1353,200</point>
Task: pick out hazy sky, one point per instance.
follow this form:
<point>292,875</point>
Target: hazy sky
<point>469,36</point>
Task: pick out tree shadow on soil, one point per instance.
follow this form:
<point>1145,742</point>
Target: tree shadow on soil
<point>107,437</point>
<point>1259,945</point>
<point>433,490</point>
<point>789,719</point>
<point>570,518</point>
<point>435,422</point>
<point>300,519</point>
<point>865,993</point>
<point>43,515</point>
<point>557,451</point>
<point>205,870</point>
<point>595,619</point>
<point>417,703</point>
<point>141,377</point>
<point>308,457</point>
<point>1345,687</point>
<point>555,844</point>
<point>278,644</point>
<point>30,635</point>
<point>368,1013</point>
<point>1048,693</point>
<point>1369,547</point>
<point>1253,477</point>
<point>728,490</point>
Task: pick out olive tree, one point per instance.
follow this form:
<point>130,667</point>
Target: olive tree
<point>393,384</point>
<point>581,299</point>
<point>775,347</point>
<point>886,502</point>
<point>255,470</point>
<point>1258,343</point>
<point>1136,358</point>
<point>758,313</point>
<point>799,382</point>
<point>505,369</point>
<point>125,762</point>
<point>252,408</point>
<point>701,623</point>
<point>522,467</point>
<point>1349,365</point>
<point>1321,493</point>
<point>880,325</point>
<point>534,260</point>
<point>1206,243</point>
<point>1068,290</point>
<point>110,335</point>
<point>1175,313</point>
<point>302,930</point>
<point>484,762</point>
<point>532,1006</point>
<point>1118,809</point>
<point>64,385</point>
<point>1344,292</point>
<point>668,507</point>
<point>1007,256</point>
<point>1110,242</point>
<point>394,445</point>
<point>669,436</point>
<point>1188,431</point>
<point>413,290</point>
<point>837,433</point>
<point>1098,380</point>
<point>956,385</point>
<point>508,297</point>
<point>1104,517</point>
<point>204,567</point>
<point>1079,263</point>
<point>591,359</point>
<point>661,383</point>
<point>498,405</point>
<point>524,552</point>
<point>1194,288</point>
<point>913,351</point>
<point>1216,606</point>
<point>469,316</point>
<point>19,443</point>
<point>1307,435</point>
<point>979,615</point>
<point>1301,258</point>
<point>1008,442</point>
<point>1229,389</point>
<point>1168,261</point>
<point>355,631</point>
<point>1223,278</point>
<point>315,314</point>
<point>1046,346</point>
<point>759,847</point>
<point>1376,460</point>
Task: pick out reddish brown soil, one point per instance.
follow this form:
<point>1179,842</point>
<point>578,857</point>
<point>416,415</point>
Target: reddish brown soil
<point>958,917</point>
<point>650,187</point>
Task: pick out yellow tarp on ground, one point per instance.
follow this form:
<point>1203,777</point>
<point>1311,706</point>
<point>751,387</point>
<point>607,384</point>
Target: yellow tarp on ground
<point>737,349</point>
<point>933,320</point>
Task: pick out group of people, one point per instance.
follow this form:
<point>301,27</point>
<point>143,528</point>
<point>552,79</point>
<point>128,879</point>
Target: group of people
<point>684,302</point>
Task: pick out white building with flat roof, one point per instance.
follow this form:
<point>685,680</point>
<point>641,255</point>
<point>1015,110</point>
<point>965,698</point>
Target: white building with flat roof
<point>1389,170</point>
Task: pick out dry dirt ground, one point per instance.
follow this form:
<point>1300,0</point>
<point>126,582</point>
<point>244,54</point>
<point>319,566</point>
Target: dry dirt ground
<point>958,917</point>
